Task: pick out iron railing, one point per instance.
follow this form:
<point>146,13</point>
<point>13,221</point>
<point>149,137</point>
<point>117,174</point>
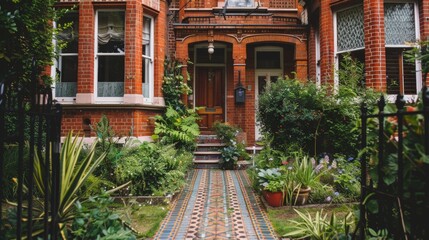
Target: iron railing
<point>395,169</point>
<point>31,121</point>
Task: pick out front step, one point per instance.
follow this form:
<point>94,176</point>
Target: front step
<point>207,153</point>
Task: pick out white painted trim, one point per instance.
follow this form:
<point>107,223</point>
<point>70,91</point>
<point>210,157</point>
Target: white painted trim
<point>318,58</point>
<point>268,73</point>
<point>151,57</point>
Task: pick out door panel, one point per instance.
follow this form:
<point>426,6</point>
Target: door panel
<point>209,96</point>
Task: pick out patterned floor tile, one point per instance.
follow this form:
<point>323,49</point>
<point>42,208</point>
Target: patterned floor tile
<point>217,204</point>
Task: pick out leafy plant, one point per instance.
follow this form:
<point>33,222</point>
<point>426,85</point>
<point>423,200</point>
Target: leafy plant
<point>174,84</point>
<point>95,220</point>
<point>304,173</point>
<point>233,149</point>
<point>177,127</point>
<point>107,142</point>
<point>271,179</point>
<point>320,227</point>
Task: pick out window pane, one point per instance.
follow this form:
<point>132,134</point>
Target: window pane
<point>401,74</point>
<point>110,76</point>
<point>268,60</point>
<point>66,87</point>
<point>111,32</point>
<point>399,23</point>
<point>146,77</point>
<point>240,3</point>
<point>70,24</point>
<point>350,34</point>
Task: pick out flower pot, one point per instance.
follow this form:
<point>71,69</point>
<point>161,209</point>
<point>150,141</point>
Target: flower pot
<point>274,199</point>
<point>301,197</point>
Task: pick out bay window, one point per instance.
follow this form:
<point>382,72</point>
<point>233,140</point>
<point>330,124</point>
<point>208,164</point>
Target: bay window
<point>110,55</point>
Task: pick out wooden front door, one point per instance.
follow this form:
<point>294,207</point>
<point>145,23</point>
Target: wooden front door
<point>209,96</point>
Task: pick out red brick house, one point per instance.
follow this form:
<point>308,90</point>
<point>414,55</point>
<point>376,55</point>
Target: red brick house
<point>113,63</point>
<point>376,32</point>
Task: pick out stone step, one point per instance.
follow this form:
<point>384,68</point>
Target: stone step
<point>207,153</point>
<point>210,144</point>
<point>206,161</point>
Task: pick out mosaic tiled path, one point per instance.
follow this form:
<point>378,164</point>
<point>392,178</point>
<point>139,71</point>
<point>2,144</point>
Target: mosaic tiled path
<point>217,204</point>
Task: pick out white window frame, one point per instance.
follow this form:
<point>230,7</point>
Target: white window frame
<point>336,52</point>
<point>410,97</point>
<point>97,54</point>
<point>150,69</point>
<point>58,65</point>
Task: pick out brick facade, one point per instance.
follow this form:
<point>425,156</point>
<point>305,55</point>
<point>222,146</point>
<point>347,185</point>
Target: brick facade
<point>321,18</point>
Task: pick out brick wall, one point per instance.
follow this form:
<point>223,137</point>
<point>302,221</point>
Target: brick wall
<point>375,55</point>
<point>85,80</point>
<point>123,122</point>
<point>326,42</point>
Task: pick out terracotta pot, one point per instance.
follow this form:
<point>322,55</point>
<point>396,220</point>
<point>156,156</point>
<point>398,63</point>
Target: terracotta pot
<point>274,199</point>
<point>302,197</point>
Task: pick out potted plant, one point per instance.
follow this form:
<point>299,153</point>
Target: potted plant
<point>273,184</point>
<point>305,177</point>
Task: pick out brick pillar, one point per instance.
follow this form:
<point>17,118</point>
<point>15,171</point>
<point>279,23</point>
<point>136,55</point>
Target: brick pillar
<point>160,50</point>
<point>375,52</point>
<point>182,4</point>
<point>85,78</point>
<point>326,43</point>
<point>424,24</point>
<point>242,115</point>
<point>133,52</point>
<point>301,60</point>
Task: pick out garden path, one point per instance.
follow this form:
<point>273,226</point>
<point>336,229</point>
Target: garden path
<point>217,204</point>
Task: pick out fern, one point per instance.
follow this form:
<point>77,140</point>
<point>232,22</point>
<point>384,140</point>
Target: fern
<point>177,127</point>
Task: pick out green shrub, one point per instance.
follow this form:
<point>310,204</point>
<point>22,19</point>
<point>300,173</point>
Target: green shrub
<point>233,150</point>
<point>153,168</point>
<point>174,84</point>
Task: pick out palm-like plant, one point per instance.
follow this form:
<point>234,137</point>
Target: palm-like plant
<point>73,173</point>
<point>320,227</point>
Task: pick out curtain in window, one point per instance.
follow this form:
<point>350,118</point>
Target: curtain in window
<point>399,23</point>
<point>110,27</point>
<point>350,34</point>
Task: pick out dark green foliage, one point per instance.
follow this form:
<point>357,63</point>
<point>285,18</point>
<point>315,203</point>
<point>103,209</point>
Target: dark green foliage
<point>95,220</point>
<point>290,112</point>
<point>175,84</point>
<point>26,39</point>
<point>153,169</point>
<point>177,127</point>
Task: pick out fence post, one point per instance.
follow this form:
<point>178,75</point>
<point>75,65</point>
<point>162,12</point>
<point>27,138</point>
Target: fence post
<point>400,104</point>
<point>2,140</point>
<point>56,148</point>
<point>380,185</point>
<point>363,170</point>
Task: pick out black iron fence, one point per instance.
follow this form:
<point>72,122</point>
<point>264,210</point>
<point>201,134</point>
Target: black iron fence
<point>395,170</point>
<point>30,125</point>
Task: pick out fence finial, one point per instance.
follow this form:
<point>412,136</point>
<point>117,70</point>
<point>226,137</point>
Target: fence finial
<point>381,103</point>
<point>400,102</point>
